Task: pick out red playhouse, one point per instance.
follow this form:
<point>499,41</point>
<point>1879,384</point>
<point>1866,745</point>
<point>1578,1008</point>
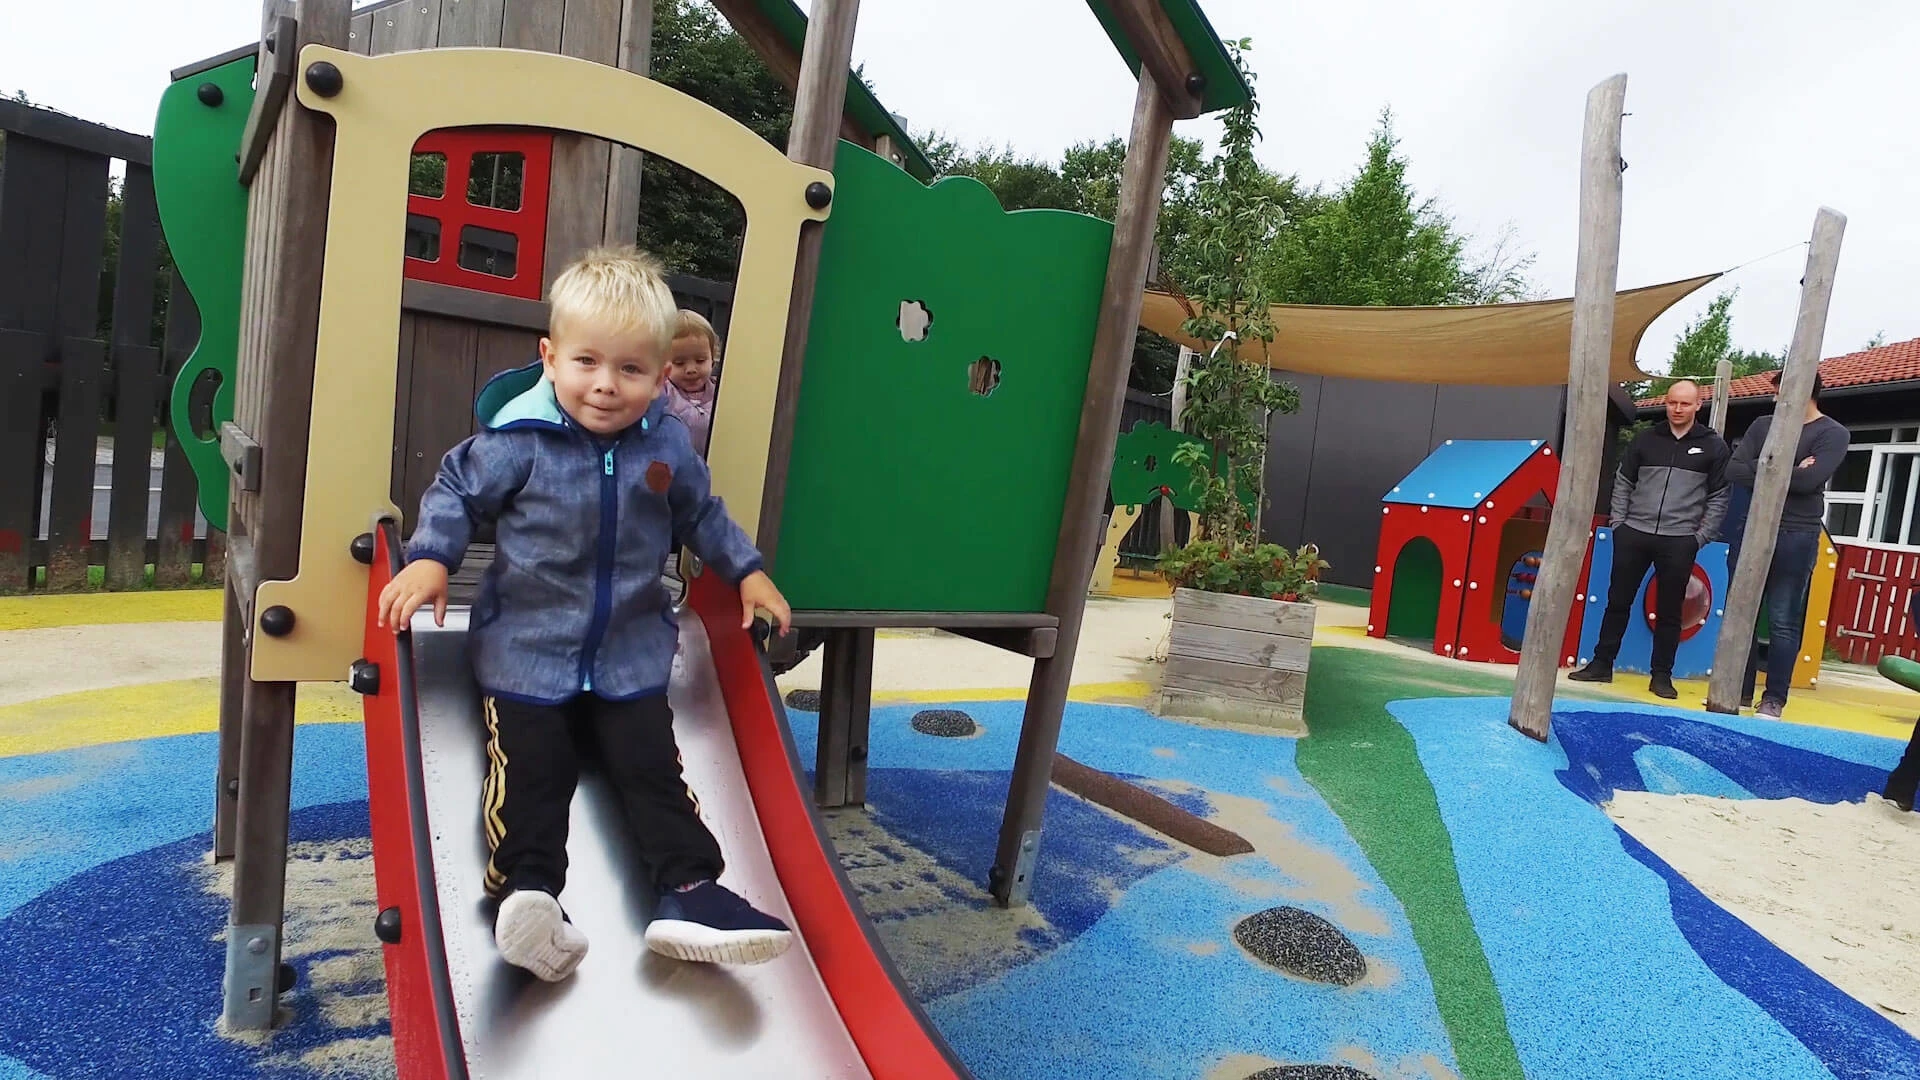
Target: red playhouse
<point>1460,542</point>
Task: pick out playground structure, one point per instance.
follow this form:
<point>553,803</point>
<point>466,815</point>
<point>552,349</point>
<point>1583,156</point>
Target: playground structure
<point>1144,469</point>
<point>326,140</point>
<point>1460,548</point>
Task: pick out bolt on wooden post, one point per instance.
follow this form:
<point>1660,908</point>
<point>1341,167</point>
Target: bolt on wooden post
<point>1583,444</point>
<point>1775,466</point>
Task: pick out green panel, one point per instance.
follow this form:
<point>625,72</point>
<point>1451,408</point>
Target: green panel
<point>203,211</point>
<point>1226,88</point>
<point>1414,608</point>
<point>1143,466</point>
<point>906,491</point>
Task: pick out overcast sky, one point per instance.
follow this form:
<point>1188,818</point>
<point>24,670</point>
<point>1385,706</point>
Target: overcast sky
<point>1746,115</point>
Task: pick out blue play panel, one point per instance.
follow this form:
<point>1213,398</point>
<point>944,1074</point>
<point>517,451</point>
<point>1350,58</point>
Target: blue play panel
<point>1460,472</point>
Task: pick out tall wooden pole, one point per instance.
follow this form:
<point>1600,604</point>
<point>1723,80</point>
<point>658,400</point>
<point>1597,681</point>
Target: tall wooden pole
<point>1583,448</point>
<point>818,104</point>
<point>1722,387</point>
<point>1141,179</point>
<point>623,174</point>
<point>1775,467</point>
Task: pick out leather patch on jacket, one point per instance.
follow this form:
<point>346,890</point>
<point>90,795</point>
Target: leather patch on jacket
<point>659,477</point>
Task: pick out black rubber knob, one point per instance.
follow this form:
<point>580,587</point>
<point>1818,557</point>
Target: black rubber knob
<point>233,788</point>
<point>856,753</point>
<point>288,976</point>
<point>277,621</point>
<point>386,925</point>
<point>324,78</point>
<point>762,631</point>
<point>210,94</point>
<point>1196,84</point>
<point>364,677</point>
<point>362,549</point>
<point>819,195</point>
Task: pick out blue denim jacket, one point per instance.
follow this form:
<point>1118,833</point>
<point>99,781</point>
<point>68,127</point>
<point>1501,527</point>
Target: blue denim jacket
<point>583,527</point>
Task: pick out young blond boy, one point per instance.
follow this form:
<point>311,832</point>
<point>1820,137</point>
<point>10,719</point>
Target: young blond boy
<point>589,481</point>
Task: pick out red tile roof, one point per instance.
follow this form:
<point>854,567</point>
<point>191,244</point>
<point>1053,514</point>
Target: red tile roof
<point>1898,362</point>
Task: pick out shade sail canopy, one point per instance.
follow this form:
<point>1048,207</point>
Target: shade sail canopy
<point>1523,344</point>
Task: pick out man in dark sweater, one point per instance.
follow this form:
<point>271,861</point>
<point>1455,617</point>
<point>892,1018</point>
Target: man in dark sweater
<point>1668,499</point>
<point>1821,450</point>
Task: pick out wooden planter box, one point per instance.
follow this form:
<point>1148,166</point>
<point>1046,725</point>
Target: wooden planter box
<point>1239,660</point>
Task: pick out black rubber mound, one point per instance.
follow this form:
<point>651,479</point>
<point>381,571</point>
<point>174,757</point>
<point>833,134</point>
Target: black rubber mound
<point>944,723</point>
<point>1303,944</point>
<point>804,700</point>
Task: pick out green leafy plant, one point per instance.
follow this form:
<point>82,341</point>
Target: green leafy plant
<point>1230,389</point>
<point>1247,569</point>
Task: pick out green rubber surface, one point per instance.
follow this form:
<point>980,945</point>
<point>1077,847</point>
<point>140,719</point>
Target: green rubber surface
<point>203,211</point>
<point>907,490</point>
<point>1365,766</point>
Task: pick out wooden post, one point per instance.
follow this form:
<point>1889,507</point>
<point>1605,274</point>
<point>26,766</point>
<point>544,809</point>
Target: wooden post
<point>233,686</point>
<point>1081,525</point>
<point>1722,386</point>
<point>623,177</point>
<point>1168,536</point>
<point>846,704</point>
<point>1775,466</point>
<point>819,101</point>
<point>280,313</point>
<point>1583,445</point>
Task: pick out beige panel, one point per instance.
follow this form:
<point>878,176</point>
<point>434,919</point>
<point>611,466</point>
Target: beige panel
<point>1118,526</point>
<point>1486,345</point>
<point>386,104</point>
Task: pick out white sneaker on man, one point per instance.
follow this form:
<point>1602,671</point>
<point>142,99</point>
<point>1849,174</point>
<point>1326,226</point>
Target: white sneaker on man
<point>532,932</point>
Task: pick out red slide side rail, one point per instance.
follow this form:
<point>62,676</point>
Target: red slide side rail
<point>893,1035</point>
<point>426,1034</point>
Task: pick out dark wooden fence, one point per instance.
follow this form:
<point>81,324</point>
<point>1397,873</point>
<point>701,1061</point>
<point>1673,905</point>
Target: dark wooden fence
<point>93,327</point>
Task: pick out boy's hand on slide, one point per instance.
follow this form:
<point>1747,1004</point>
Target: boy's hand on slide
<point>409,591</point>
<point>758,591</point>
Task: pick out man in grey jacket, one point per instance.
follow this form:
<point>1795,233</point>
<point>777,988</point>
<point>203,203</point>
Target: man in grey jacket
<point>1668,500</point>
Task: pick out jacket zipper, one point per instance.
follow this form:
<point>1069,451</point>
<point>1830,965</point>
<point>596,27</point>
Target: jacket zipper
<point>603,573</point>
<point>1660,515</point>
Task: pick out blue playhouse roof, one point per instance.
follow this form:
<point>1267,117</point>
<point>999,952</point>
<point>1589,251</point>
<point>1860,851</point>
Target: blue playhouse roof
<point>1460,472</point>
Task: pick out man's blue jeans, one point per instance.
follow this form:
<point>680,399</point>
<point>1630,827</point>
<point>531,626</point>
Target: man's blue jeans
<point>1784,598</point>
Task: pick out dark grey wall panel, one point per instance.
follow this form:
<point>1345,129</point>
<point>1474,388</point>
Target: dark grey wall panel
<point>1369,435</point>
<point>1290,464</point>
<point>1494,412</point>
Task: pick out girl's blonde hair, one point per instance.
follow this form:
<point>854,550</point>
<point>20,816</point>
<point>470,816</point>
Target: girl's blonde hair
<point>693,324</point>
<point>621,289</point>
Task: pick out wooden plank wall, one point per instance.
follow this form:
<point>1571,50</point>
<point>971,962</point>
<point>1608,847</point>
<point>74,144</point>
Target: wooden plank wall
<point>68,372</point>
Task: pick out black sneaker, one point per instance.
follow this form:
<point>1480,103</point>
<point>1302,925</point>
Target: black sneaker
<point>709,924</point>
<point>1662,687</point>
<point>1594,672</point>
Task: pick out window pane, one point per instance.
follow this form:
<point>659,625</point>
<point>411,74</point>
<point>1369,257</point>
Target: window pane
<point>1843,519</point>
<point>1896,471</point>
<point>495,180</point>
<point>427,176</point>
<point>1852,474</point>
<point>423,237</point>
<point>488,251</point>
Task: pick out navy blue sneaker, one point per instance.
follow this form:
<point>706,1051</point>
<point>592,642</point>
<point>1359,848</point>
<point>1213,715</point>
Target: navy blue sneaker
<point>709,924</point>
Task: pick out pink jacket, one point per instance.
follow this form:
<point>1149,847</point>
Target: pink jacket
<point>695,410</point>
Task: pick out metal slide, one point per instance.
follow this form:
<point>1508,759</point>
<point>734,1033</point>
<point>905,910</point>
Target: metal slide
<point>831,1007</point>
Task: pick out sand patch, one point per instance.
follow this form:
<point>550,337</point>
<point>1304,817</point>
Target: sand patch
<point>68,659</point>
<point>1830,885</point>
<point>1321,879</point>
<point>329,921</point>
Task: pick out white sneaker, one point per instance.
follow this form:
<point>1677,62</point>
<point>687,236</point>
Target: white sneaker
<point>532,932</point>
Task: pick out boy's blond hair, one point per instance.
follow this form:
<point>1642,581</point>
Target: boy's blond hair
<point>693,324</point>
<point>621,289</point>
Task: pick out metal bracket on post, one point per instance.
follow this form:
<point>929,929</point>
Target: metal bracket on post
<point>253,977</point>
<point>1020,888</point>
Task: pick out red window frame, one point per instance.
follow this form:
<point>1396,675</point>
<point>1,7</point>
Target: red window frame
<point>527,225</point>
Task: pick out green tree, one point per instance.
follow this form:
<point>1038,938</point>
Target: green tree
<point>1703,343</point>
<point>693,225</point>
<point>1230,390</point>
<point>1376,242</point>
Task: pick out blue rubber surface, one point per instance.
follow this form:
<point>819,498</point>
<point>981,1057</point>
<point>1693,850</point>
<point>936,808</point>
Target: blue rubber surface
<point>1610,964</point>
<point>1460,472</point>
<point>1153,985</point>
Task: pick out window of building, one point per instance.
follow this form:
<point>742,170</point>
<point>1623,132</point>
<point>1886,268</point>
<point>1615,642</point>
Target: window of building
<point>1874,497</point>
